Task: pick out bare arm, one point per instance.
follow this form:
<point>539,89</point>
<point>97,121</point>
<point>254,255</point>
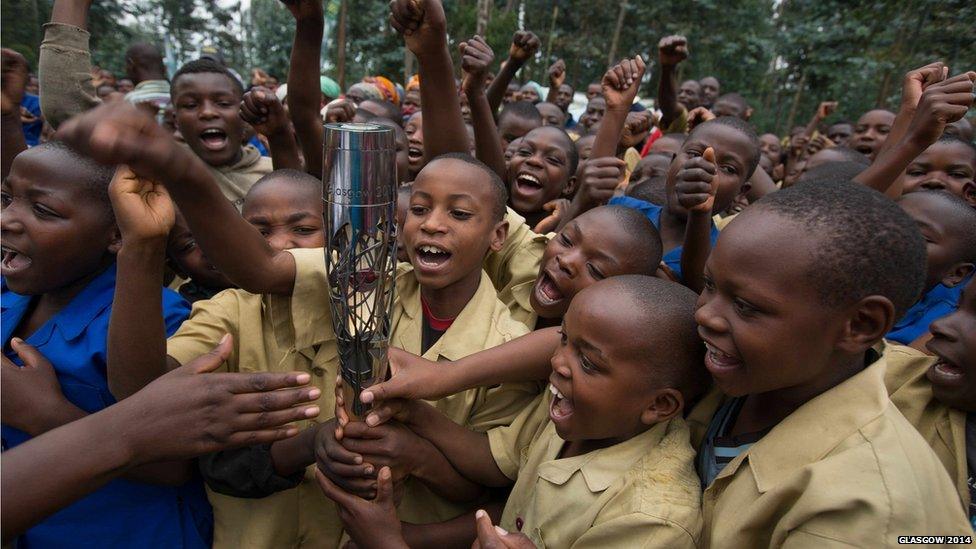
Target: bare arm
<point>671,51</point>
<point>304,93</point>
<point>557,76</point>
<point>261,109</point>
<point>620,85</point>
<point>13,80</point>
<point>696,192</point>
<point>524,45</point>
<point>476,55</point>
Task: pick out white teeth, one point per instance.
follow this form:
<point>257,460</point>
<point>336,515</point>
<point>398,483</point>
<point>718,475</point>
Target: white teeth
<point>432,250</point>
<point>531,178</point>
<point>213,131</point>
<point>555,392</point>
<point>717,352</point>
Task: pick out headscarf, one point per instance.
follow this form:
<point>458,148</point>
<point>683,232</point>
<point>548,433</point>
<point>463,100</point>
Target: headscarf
<point>538,89</point>
<point>414,82</point>
<point>330,89</point>
<point>387,88</point>
<point>368,90</point>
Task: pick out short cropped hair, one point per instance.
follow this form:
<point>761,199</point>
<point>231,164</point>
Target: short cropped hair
<point>390,110</point>
<point>653,190</point>
<point>868,244</point>
<point>646,245</point>
<point>745,129</point>
<point>498,188</point>
<point>959,218</point>
<point>834,171</point>
<point>951,139</point>
<point>95,177</point>
<point>206,65</point>
<point>291,176</point>
<point>572,154</point>
<point>665,312</point>
<point>521,109</point>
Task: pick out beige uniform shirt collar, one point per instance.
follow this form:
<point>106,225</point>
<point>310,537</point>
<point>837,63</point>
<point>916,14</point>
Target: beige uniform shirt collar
<point>602,467</point>
<point>468,331</point>
<point>825,423</point>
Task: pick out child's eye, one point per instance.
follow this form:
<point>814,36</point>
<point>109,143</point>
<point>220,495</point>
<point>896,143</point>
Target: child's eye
<point>708,284</point>
<point>587,364</point>
<point>744,308</point>
<point>304,230</point>
<point>555,160</point>
<point>524,152</point>
<point>564,240</point>
<point>562,338</point>
<point>188,246</point>
<point>595,272</point>
<point>418,210</point>
<point>264,232</point>
<point>5,199</point>
<point>461,214</point>
<point>884,129</point>
<point>730,170</point>
<point>959,175</point>
<point>916,173</point>
<point>42,211</point>
<point>692,153</point>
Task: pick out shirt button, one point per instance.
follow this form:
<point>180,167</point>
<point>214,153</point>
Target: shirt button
<point>318,371</point>
<point>519,523</point>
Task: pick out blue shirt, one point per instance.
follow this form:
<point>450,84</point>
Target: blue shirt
<point>258,145</point>
<point>936,303</point>
<point>122,513</point>
<point>32,131</point>
<point>653,212</point>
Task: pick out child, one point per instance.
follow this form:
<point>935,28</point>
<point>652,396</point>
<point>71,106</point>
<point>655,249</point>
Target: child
<point>286,207</point>
<point>937,395</point>
<point>542,169</point>
<point>201,279</point>
<point>517,120</point>
<point>737,149</point>
<point>732,104</point>
<point>60,242</point>
<point>603,457</point>
<point>840,133</point>
<point>202,89</point>
<point>552,115</point>
<point>871,131</point>
<point>414,128</point>
<point>809,447</point>
<point>948,165</point>
<point>948,225</point>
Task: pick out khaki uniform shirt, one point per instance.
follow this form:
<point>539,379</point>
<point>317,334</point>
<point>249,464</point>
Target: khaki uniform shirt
<point>270,335</point>
<point>235,180</point>
<point>845,468</point>
<point>942,427</point>
<point>514,269</point>
<point>484,323</point>
<point>643,492</point>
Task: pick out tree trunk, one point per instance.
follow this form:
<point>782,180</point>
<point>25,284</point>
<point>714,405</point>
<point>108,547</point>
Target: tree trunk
<point>552,31</point>
<point>511,5</point>
<point>612,58</point>
<point>341,38</point>
<point>484,15</point>
<point>796,102</point>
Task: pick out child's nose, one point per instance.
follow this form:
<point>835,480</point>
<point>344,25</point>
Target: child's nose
<point>559,365</point>
<point>934,184</point>
<point>707,316</point>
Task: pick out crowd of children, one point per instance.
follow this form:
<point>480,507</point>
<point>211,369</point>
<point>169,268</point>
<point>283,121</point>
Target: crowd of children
<point>645,327</point>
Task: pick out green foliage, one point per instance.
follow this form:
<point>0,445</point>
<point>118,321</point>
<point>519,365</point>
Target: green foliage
<point>784,56</point>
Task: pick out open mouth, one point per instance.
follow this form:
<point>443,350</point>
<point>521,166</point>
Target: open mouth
<point>945,372</point>
<point>415,153</point>
<point>527,184</point>
<point>214,139</point>
<point>718,362</point>
<point>546,290</point>
<point>561,407</point>
<point>431,257</point>
<point>13,261</point>
<point>866,150</point>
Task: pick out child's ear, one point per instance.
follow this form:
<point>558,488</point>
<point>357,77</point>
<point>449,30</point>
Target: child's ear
<point>570,189</point>
<point>498,235</point>
<point>957,273</point>
<point>748,114</point>
<point>666,404</point>
<point>871,318</point>
<point>969,193</point>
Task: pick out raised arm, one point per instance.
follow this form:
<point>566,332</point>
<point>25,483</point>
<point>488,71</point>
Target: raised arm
<point>672,50</point>
<point>824,109</point>
<point>476,56</point>
<point>620,85</point>
<point>261,109</point>
<point>64,67</point>
<point>137,333</point>
<point>120,133</point>
<point>524,45</point>
<point>424,28</point>
<point>557,77</point>
<point>13,80</point>
<point>941,103</point>
<point>304,93</point>
<point>696,192</point>
<point>913,84</point>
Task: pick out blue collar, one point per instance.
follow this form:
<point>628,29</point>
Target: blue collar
<point>75,317</point>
